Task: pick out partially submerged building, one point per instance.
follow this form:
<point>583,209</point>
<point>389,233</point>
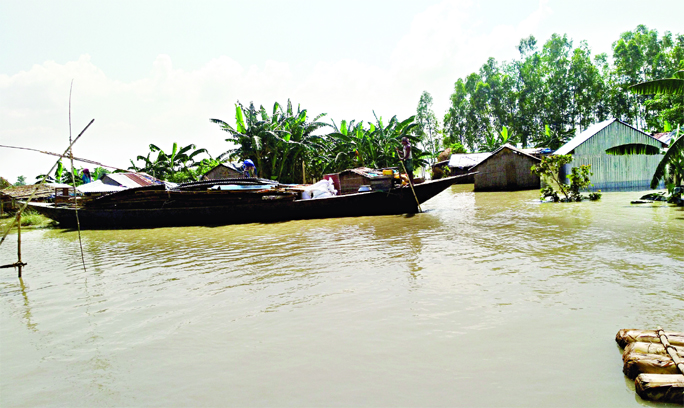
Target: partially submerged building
<point>506,169</point>
<point>461,163</point>
<point>613,173</point>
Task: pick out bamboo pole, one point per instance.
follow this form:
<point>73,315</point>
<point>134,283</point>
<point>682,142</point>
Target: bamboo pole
<point>19,242</point>
<point>671,351</point>
<point>43,181</point>
<point>420,210</point>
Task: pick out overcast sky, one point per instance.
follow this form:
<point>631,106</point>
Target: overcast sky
<point>156,71</point>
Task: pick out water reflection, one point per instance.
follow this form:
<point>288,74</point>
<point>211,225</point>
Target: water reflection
<point>27,308</point>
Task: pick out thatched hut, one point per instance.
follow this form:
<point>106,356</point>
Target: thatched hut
<point>9,197</point>
<point>506,169</point>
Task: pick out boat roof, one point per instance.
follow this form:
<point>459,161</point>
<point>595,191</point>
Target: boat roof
<point>98,186</point>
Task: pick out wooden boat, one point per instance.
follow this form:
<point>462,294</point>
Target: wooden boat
<point>201,203</point>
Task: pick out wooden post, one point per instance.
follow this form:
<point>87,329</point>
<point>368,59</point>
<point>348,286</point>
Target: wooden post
<point>19,241</point>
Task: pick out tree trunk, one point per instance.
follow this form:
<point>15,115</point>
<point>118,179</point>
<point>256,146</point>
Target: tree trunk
<point>637,363</point>
<point>661,387</point>
<point>626,336</point>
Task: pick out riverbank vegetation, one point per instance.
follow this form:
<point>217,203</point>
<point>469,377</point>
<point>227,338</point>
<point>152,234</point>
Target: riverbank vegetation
<point>29,219</point>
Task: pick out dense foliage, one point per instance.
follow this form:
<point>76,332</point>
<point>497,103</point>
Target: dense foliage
<point>286,146</point>
<point>178,165</point>
<point>548,93</point>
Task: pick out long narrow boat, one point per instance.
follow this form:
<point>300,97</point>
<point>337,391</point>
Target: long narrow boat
<point>199,204</point>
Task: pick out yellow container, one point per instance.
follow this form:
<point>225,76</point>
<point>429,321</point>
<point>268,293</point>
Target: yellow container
<point>387,172</point>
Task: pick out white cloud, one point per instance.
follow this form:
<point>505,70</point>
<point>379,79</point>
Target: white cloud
<point>170,105</point>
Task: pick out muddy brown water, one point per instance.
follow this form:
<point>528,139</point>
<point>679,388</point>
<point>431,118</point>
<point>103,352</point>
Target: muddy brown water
<point>487,299</point>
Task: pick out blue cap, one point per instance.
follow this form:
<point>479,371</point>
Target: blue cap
<point>248,163</point>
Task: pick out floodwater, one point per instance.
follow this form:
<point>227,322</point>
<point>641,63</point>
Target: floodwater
<point>484,300</point>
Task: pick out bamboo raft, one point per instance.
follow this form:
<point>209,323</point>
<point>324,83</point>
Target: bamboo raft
<point>655,360</point>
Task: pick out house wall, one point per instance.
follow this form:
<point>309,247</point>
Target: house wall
<point>507,171</point>
<point>221,172</point>
<point>616,173</point>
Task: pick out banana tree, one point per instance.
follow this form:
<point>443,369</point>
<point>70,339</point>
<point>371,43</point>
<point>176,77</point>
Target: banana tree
<point>669,86</point>
<point>279,142</point>
<point>174,166</point>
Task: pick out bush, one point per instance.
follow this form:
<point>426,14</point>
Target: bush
<point>548,170</point>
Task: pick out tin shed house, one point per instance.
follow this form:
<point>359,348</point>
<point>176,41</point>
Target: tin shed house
<point>461,163</point>
<point>507,169</point>
<point>613,173</point>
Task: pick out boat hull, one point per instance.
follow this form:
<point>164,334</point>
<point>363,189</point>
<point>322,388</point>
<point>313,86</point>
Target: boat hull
<point>202,208</point>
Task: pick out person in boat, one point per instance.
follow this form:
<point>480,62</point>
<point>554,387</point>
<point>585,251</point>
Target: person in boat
<point>406,157</point>
<point>86,177</point>
<point>249,169</point>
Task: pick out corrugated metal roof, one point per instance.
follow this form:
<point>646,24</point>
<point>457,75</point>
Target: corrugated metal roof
<point>591,131</point>
<point>665,137</point>
<point>583,137</point>
<point>467,160</point>
<point>131,180</point>
<point>506,146</point>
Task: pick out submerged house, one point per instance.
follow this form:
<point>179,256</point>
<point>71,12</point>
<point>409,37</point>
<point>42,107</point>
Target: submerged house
<point>613,173</point>
<point>506,169</point>
<point>461,163</point>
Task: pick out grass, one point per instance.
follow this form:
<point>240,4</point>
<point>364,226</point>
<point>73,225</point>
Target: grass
<point>29,218</point>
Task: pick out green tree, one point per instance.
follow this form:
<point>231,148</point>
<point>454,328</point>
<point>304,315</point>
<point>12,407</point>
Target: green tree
<point>280,143</point>
<point>428,125</point>
<point>21,181</point>
<point>353,145</point>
